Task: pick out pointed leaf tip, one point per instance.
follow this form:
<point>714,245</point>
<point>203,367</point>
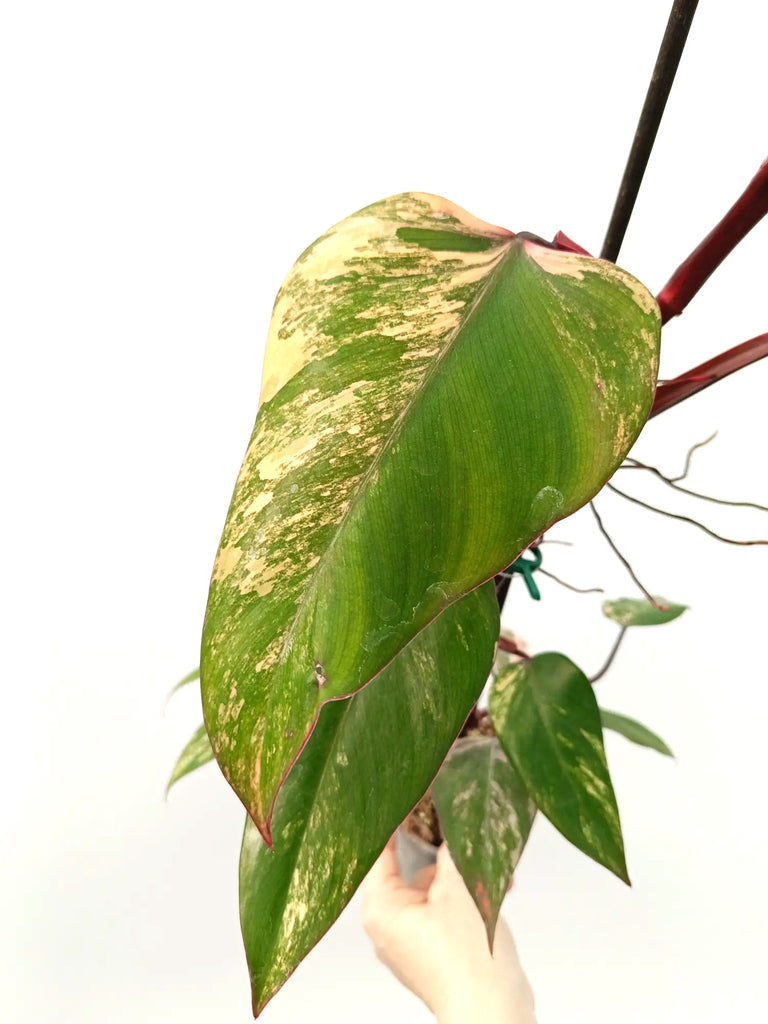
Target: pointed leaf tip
<point>342,800</point>
<point>486,816</point>
<point>190,677</point>
<point>548,722</point>
<point>634,731</point>
<point>195,754</point>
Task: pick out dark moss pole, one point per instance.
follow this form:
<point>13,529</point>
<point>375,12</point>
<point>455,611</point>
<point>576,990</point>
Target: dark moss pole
<point>655,101</point>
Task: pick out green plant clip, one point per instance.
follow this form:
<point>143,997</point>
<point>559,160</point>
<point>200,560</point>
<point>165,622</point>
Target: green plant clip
<point>526,568</point>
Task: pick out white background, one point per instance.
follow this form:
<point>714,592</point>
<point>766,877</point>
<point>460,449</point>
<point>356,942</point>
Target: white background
<point>164,164</point>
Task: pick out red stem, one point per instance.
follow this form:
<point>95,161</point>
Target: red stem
<point>748,209</point>
<point>511,647</point>
<point>700,377</point>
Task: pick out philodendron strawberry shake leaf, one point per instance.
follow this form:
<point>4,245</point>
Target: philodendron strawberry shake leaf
<point>547,719</point>
<point>486,815</point>
<point>436,393</point>
<point>634,731</point>
<point>368,761</point>
<point>633,611</point>
<point>195,754</point>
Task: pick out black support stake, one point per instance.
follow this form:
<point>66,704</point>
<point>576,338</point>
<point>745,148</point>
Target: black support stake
<point>655,101</point>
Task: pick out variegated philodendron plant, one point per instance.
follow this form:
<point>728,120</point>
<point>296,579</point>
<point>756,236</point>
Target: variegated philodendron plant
<point>437,392</point>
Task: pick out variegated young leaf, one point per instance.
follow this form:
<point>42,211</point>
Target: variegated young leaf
<point>548,722</point>
<point>636,611</point>
<point>190,677</point>
<point>486,815</point>
<point>194,755</point>
<point>368,761</point>
<point>634,731</point>
<point>436,392</point>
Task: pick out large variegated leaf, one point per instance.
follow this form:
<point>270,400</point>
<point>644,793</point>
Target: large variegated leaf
<point>369,760</point>
<point>436,392</point>
<point>548,722</point>
<point>485,815</point>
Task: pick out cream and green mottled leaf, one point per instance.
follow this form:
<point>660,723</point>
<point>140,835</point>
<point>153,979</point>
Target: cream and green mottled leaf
<point>436,392</point>
<point>636,611</point>
<point>195,754</point>
<point>367,763</point>
<point>548,722</point>
<point>485,815</point>
<point>634,731</point>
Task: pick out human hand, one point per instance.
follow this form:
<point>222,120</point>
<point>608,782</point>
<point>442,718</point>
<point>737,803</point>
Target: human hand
<point>432,938</point>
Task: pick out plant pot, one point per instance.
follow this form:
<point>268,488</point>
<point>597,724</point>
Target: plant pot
<point>413,854</point>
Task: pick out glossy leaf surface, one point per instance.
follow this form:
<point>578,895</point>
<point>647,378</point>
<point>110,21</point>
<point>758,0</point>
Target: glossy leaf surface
<point>369,760</point>
<point>548,722</point>
<point>194,755</point>
<point>634,731</point>
<point>486,815</point>
<point>436,392</point>
<point>630,611</point>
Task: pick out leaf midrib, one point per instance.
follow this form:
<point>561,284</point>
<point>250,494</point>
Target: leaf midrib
<point>540,708</point>
<point>299,843</point>
<point>389,441</point>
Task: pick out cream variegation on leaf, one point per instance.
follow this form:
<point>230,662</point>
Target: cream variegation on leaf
<point>436,392</point>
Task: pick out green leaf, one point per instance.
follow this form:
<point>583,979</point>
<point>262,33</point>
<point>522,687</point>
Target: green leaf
<point>630,611</point>
<point>196,753</point>
<point>486,814</point>
<point>190,677</point>
<point>634,731</point>
<point>436,392</point>
<point>547,720</point>
<point>367,763</point>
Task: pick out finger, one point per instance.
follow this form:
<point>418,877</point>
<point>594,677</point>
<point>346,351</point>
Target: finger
<point>446,874</point>
<point>378,885</point>
<point>424,878</point>
<point>445,865</point>
<point>385,872</point>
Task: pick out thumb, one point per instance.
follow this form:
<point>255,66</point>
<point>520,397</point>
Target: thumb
<point>385,872</point>
<point>447,876</point>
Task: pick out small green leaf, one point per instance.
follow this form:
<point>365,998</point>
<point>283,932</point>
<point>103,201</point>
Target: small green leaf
<point>630,611</point>
<point>190,677</point>
<point>368,761</point>
<point>634,731</point>
<point>548,722</point>
<point>486,815</point>
<point>196,753</point>
<point>436,392</point>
